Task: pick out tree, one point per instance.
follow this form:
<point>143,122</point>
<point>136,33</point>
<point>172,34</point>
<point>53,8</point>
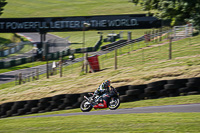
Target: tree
<point>2,4</point>
<point>187,11</point>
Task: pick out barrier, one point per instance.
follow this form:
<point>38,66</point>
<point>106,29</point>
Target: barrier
<point>11,50</point>
<point>128,93</point>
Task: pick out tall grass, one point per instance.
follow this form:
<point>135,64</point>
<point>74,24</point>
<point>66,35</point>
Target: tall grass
<point>134,67</point>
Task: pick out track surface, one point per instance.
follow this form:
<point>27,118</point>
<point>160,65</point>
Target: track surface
<point>35,37</point>
<point>152,109</point>
<point>10,76</point>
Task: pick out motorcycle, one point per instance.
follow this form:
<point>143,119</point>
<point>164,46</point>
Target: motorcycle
<point>109,100</point>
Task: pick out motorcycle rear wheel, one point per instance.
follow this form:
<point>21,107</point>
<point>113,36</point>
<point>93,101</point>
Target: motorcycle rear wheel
<point>114,103</point>
<point>85,106</point>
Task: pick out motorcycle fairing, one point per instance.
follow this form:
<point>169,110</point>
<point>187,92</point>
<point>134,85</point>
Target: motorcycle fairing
<point>101,105</point>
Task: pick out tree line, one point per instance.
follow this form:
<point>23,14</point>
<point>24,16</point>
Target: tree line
<point>187,11</point>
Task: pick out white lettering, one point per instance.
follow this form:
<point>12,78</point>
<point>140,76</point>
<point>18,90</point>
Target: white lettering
<point>68,24</point>
<point>52,25</point>
<point>93,23</point>
<point>20,26</point>
<point>62,24</point>
<point>8,25</point>
<point>118,22</point>
<point>111,23</point>
<point>134,22</point>
<point>45,25</point>
<point>77,24</point>
<point>72,24</point>
<point>103,23</point>
<point>31,25</point>
<point>14,25</point>
<point>124,22</point>
<point>57,24</point>
<point>2,25</point>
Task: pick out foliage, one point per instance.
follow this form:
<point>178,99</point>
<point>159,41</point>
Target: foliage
<point>2,4</point>
<point>176,10</point>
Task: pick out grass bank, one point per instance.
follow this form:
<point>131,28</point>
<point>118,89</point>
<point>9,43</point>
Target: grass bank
<point>50,8</point>
<point>136,67</point>
<point>126,123</point>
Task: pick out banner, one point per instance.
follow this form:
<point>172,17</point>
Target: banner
<point>56,24</point>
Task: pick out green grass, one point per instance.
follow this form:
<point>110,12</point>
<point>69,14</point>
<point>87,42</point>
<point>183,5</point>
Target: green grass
<point>182,48</point>
<point>138,67</point>
<point>126,123</point>
<point>5,38</point>
<point>91,37</point>
<point>60,8</point>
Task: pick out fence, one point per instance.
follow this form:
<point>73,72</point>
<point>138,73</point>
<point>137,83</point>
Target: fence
<point>155,47</point>
<point>183,31</point>
<point>21,56</point>
<point>11,49</point>
<point>54,53</point>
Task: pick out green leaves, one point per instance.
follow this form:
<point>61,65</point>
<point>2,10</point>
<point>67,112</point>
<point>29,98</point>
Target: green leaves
<point>177,10</point>
<point>2,4</point>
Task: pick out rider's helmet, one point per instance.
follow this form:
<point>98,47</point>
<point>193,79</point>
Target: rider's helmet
<point>107,83</point>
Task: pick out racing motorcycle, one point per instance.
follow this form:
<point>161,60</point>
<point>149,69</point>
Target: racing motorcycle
<point>109,100</point>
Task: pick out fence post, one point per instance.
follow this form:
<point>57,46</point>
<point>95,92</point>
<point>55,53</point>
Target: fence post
<point>16,78</point>
<point>115,58</point>
<point>47,71</point>
<point>160,34</point>
<point>32,75</point>
<point>143,54</point>
<point>20,78</point>
<point>153,36</point>
<point>132,46</point>
<point>174,32</point>
<point>29,77</point>
<point>170,48</point>
<point>25,78</point>
<point>149,36</point>
<point>168,30</point>
<point>61,66</point>
<point>145,37</point>
<point>156,40</point>
<point>37,73</point>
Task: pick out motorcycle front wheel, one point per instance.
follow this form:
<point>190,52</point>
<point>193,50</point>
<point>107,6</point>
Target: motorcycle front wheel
<point>114,103</point>
<point>85,106</point>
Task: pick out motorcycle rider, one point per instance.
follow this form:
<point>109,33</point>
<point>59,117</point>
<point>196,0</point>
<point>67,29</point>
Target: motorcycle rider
<point>101,90</point>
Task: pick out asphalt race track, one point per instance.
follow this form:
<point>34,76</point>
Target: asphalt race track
<point>152,109</point>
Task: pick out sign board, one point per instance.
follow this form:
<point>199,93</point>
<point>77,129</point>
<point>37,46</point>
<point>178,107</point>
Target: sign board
<point>57,24</point>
